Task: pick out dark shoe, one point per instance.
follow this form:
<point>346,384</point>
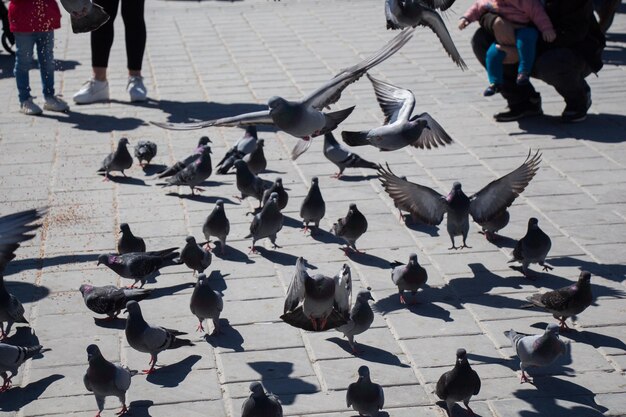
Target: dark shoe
<point>574,114</point>
<point>491,90</point>
<point>520,111</point>
<point>522,79</point>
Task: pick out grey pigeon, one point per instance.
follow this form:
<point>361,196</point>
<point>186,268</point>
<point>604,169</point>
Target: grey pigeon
<point>118,160</point>
<point>248,184</point>
<point>145,150</point>
<point>217,224</point>
<point>180,165</point>
<point>458,384</point>
<point>304,118</point>
<point>532,248</point>
<point>194,256</point>
<point>247,144</point>
<point>85,16</point>
<point>106,379</point>
<point>342,157</point>
<point>313,206</point>
<point>428,206</point>
<point>319,296</point>
<point>567,301</point>
<point>410,13</point>
<point>195,173</point>
<point>256,159</point>
<point>139,265</point>
<point>146,338</point>
<point>11,310</point>
<point>128,242</point>
<point>361,318</point>
<point>399,129</point>
<point>277,187</point>
<point>409,277</point>
<point>109,299</point>
<point>350,228</point>
<point>260,403</point>
<point>537,350</point>
<point>11,358</point>
<point>364,396</point>
<point>206,304</point>
<point>266,223</point>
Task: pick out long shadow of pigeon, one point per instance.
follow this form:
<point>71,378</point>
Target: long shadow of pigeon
<point>291,222</point>
<point>612,272</point>
<point>370,353</point>
<point>152,169</point>
<point>23,336</point>
<point>27,292</point>
<point>200,198</point>
<point>140,408</point>
<point>191,111</point>
<point>452,413</point>
<point>276,257</point>
<point>392,303</point>
<point>120,179</point>
<point>324,236</point>
<point>37,263</point>
<point>172,375</point>
<point>368,259</point>
<point>357,178</point>
<point>420,227</point>
<point>229,337</point>
<point>173,289</point>
<point>16,398</point>
<point>105,323</point>
<point>275,378</point>
<point>232,254</point>
<point>503,242</point>
<point>96,122</point>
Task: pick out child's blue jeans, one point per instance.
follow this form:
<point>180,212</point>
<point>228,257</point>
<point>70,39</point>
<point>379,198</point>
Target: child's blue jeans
<point>526,42</point>
<point>25,42</point>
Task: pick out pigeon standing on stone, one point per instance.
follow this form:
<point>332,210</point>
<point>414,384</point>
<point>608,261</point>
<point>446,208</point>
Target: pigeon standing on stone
<point>145,338</point>
<point>361,318</point>
<point>109,299</point>
<point>128,242</point>
<point>532,248</point>
<point>260,403</point>
<point>256,159</point>
<point>194,256</point>
<point>139,265</point>
<point>11,358</point>
<point>267,223</point>
<point>244,146</point>
<point>313,206</point>
<point>364,396</point>
<point>145,150</point>
<point>106,379</point>
<point>537,350</point>
<point>118,160</point>
<point>458,384</point>
<point>342,157</point>
<point>350,228</point>
<point>277,187</point>
<point>409,277</point>
<point>195,173</point>
<point>206,304</point>
<point>11,310</point>
<point>217,224</point>
<point>180,165</point>
<point>248,184</point>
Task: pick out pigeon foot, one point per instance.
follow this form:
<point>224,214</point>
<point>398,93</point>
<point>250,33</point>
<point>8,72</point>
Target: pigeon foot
<point>402,299</point>
<point>336,176</point>
<point>200,327</point>
<point>123,411</point>
<point>546,267</point>
<point>524,378</point>
<point>252,250</point>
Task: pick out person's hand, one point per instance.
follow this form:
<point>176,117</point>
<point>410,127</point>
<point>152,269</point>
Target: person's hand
<point>549,35</point>
<point>463,22</point>
<point>504,31</point>
<point>511,56</point>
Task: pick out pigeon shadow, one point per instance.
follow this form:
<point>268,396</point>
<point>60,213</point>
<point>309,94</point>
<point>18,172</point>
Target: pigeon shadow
<point>38,263</point>
<point>229,337</point>
<point>218,283</point>
<point>291,222</point>
<point>556,368</point>
<point>276,257</point>
<point>200,198</point>
<point>7,63</point>
<point>23,336</point>
<point>172,375</point>
<point>26,292</point>
<point>324,236</point>
<point>596,340</point>
<point>356,178</point>
<point>503,242</point>
<point>420,227</point>
<point>604,128</point>
<point>140,408</point>
<point>613,272</point>
<point>96,122</point>
<point>370,353</point>
<point>451,413</point>
<point>173,289</point>
<point>17,398</point>
<point>152,169</point>
<point>275,378</point>
<point>120,179</point>
<point>368,259</point>
<point>232,254</point>
<point>117,323</point>
<point>420,304</point>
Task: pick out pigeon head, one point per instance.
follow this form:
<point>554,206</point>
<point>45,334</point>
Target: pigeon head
<point>260,143</point>
<point>256,389</point>
<point>584,278</point>
<point>190,239</point>
<point>552,329</point>
<point>274,197</point>
<point>352,208</point>
<point>203,141</point>
<point>413,258</point>
<point>251,130</point>
<point>279,181</point>
<point>206,150</point>
<point>314,181</point>
<point>219,203</point>
<point>201,278</point>
<point>124,228</point>
<point>456,189</point>
<point>239,163</point>
<point>421,123</point>
<point>275,103</point>
<point>85,289</point>
<point>364,372</point>
<point>93,351</point>
<point>364,295</point>
<point>103,259</point>
<point>461,355</point>
<point>132,307</point>
<point>533,223</point>
<point>123,142</point>
<point>345,271</point>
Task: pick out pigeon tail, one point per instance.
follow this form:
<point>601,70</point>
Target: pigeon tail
<point>300,148</point>
<point>176,343</point>
<point>535,300</point>
<point>363,163</point>
<point>168,172</point>
<point>355,138</point>
<point>333,119</point>
<point>513,336</point>
<point>31,351</point>
<point>92,21</point>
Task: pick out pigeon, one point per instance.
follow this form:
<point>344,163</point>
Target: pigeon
<point>350,228</point>
<point>118,160</point>
<point>206,304</point>
<point>145,338</point>
<point>428,206</point>
<point>410,13</point>
<point>145,150</point>
<point>361,318</point>
<point>11,358</point>
<point>180,165</point>
<point>195,173</point>
<point>244,146</point>
<point>256,159</point>
<point>11,310</point>
<point>277,188</point>
<point>106,379</point>
<point>260,403</point>
<point>364,396</point>
<point>217,224</point>
<point>313,206</point>
<point>194,256</point>
<point>342,157</point>
<point>567,301</point>
<point>85,16</point>
<point>532,248</point>
<point>399,129</point>
<point>537,350</point>
<point>320,296</point>
<point>128,242</point>
<point>458,384</point>
<point>139,265</point>
<point>491,227</point>
<point>109,299</point>
<point>409,277</point>
<point>267,223</point>
<point>304,118</point>
<point>249,184</point>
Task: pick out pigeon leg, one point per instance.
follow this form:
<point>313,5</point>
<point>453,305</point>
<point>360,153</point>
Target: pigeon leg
<point>3,335</point>
<point>563,325</point>
<point>200,327</point>
<point>152,364</point>
<point>469,410</point>
<point>336,175</point>
<point>453,245</point>
<point>123,411</point>
<point>106,177</point>
<point>546,267</point>
<point>402,299</point>
<point>355,350</point>
<point>124,174</point>
<point>313,323</point>
<point>98,415</point>
<point>323,323</point>
<point>413,297</point>
<point>524,378</point>
<point>252,250</point>
<point>216,327</point>
<point>200,190</point>
<point>207,245</point>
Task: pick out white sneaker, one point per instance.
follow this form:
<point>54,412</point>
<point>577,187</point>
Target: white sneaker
<point>55,104</point>
<point>92,91</point>
<point>30,108</point>
<point>136,89</point>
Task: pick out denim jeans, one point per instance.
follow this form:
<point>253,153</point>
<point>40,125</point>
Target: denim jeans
<point>526,43</point>
<point>25,42</point>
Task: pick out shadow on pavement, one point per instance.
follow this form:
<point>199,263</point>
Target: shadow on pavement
<point>605,128</point>
<point>370,353</point>
<point>172,375</point>
<point>275,378</point>
<point>229,337</point>
<point>96,122</point>
<point>140,408</point>
<point>17,398</point>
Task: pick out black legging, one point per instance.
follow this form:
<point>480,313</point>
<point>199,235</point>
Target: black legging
<point>135,30</point>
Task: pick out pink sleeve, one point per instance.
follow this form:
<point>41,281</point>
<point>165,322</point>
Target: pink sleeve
<point>476,10</point>
<point>538,15</point>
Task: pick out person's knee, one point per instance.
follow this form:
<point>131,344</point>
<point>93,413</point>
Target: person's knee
<point>557,67</point>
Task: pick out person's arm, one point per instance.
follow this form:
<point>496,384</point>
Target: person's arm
<point>534,9</point>
<point>571,19</point>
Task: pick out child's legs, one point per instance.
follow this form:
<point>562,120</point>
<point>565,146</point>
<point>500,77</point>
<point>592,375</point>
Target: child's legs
<point>24,44</point>
<point>493,63</point>
<point>526,42</point>
<point>45,55</point>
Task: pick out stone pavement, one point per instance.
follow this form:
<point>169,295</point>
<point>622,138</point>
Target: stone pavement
<point>209,59</point>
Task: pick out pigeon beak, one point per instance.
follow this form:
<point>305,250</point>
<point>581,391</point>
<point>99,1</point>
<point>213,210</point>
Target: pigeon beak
<point>98,263</point>
<point>125,311</point>
<point>371,298</point>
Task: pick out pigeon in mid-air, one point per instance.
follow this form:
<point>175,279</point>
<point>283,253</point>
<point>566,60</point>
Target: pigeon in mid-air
<point>217,224</point>
<point>247,144</point>
<point>128,242</point>
<point>313,206</point>
<point>567,301</point>
<point>364,396</point>
<point>458,384</point>
<point>532,248</point>
<point>11,358</point>
<point>399,129</point>
<point>145,150</point>
<point>180,165</point>
<point>146,338</point>
<point>193,174</point>
<point>260,403</point>
<point>277,187</point>
<point>361,318</point>
<point>409,277</point>
<point>266,223</point>
<point>350,228</point>
<point>249,184</point>
<point>109,299</point>
<point>118,160</point>
<point>85,16</point>
<point>343,157</point>
<point>428,206</point>
<point>206,304</point>
<point>304,118</point>
<point>256,159</point>
<point>537,350</point>
<point>194,256</point>
<point>106,379</point>
<point>139,265</point>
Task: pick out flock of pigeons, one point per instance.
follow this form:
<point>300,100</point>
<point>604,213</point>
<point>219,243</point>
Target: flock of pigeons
<point>318,302</point>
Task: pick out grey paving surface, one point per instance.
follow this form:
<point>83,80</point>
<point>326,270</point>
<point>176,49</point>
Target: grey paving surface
<point>218,58</point>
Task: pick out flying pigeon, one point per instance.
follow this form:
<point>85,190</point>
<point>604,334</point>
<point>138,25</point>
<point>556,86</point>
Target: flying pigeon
<point>109,299</point>
<point>195,173</point>
<point>128,242</point>
<point>139,265</point>
<point>145,150</point>
<point>118,160</point>
<point>313,206</point>
<point>106,379</point>
<point>249,184</point>
<point>361,318</point>
<point>364,396</point>
<point>194,256</point>
<point>458,384</point>
<point>256,159</point>
<point>244,146</point>
<point>260,403</point>
<point>350,228</point>
<point>532,248</point>
<point>11,358</point>
<point>206,304</point>
<point>180,165</point>
<point>342,157</point>
<point>217,224</point>
<point>266,223</point>
<point>409,277</point>
<point>277,187</point>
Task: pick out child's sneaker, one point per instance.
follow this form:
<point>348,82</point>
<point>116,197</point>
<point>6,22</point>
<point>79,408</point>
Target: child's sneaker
<point>136,89</point>
<point>55,104</point>
<point>92,91</point>
<point>491,90</point>
<point>522,78</point>
<point>30,108</point>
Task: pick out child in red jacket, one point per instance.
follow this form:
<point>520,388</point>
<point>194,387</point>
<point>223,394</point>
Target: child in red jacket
<point>33,23</point>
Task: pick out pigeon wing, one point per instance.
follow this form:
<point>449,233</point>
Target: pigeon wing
<point>14,229</point>
<point>432,19</point>
<point>442,5</point>
<point>254,118</point>
<point>558,300</point>
<point>155,338</point>
<point>343,291</point>
<point>296,292</point>
<point>395,102</point>
<point>433,136</point>
<point>122,378</point>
